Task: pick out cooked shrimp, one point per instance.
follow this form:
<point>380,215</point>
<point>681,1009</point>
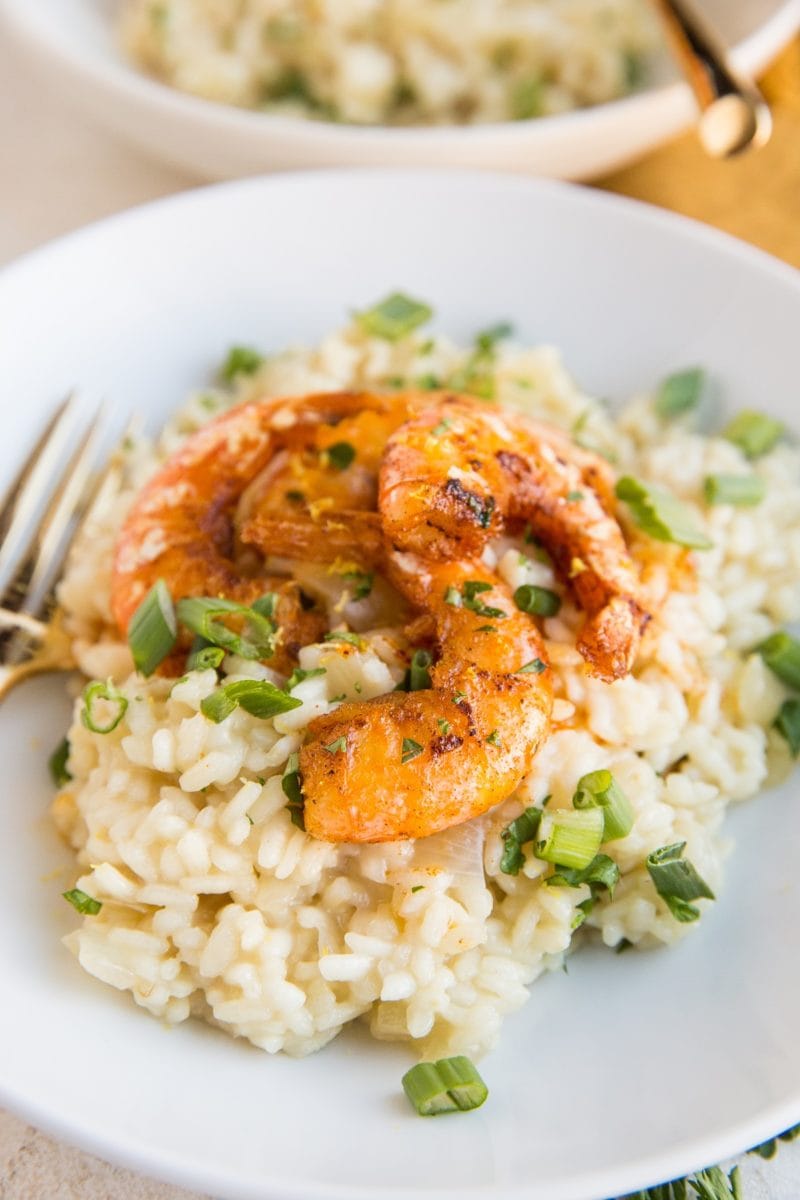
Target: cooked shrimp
<point>454,475</point>
<point>182,527</point>
<point>406,765</point>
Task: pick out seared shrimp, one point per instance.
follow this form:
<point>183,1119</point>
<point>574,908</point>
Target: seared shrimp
<point>406,765</point>
<point>454,475</point>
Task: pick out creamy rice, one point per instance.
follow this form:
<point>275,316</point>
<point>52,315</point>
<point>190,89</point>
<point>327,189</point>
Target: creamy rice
<point>395,61</point>
<point>216,905</point>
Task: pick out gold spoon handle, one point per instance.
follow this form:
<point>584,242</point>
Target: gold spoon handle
<point>733,113</point>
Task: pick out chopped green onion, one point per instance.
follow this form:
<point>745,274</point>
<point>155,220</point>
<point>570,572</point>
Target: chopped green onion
<point>534,667</point>
<point>418,674</point>
<point>602,872</point>
<point>258,697</point>
<point>363,581</point>
<point>104,692</point>
<point>428,383</point>
<point>339,746</point>
<point>714,1184</point>
<point>266,605</point>
<point>494,738</point>
<point>599,789</point>
<point>291,785</point>
<point>241,360</point>
<point>394,318</point>
<point>681,392</point>
<point>486,341</point>
<point>205,657</point>
<point>298,675</point>
<point>486,629</point>
<point>340,455</point>
<point>82,903</point>
<point>352,639</point>
<point>57,762</point>
<point>660,514</point>
<point>753,432</point>
<point>527,99</point>
<point>453,596</point>
<point>444,726</point>
<point>449,1085</point>
<point>468,598</point>
<point>418,887</point>
<point>574,496</point>
<point>442,427</point>
<point>410,750</point>
<point>677,882</point>
<point>787,723</point>
<point>571,838</point>
<point>202,615</point>
<point>781,653</point>
<point>538,601</point>
<point>515,836</point>
<point>741,490</point>
<point>152,631</point>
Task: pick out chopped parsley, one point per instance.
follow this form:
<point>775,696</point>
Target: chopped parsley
<point>468,598</point>
<point>340,455</point>
<point>410,750</point>
<point>339,746</point>
<point>534,667</point>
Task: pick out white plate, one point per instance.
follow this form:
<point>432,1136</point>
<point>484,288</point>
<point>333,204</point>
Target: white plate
<point>73,43</point>
<point>630,1069</point>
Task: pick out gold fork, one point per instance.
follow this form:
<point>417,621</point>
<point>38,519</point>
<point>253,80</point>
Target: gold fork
<point>40,515</point>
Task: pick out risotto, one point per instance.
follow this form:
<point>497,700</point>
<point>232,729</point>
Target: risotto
<point>204,897</point>
<point>401,62</point>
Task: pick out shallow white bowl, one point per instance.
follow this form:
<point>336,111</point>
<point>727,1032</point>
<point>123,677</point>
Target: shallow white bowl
<point>73,44</point>
<point>629,1070</point>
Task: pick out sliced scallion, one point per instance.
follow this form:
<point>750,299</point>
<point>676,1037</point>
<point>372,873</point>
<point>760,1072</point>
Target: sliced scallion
<point>571,838</point>
<point>753,432</point>
<point>410,750</point>
<point>241,360</point>
<point>538,601</point>
<point>680,393</point>
<point>363,582</point>
<point>781,653</point>
<point>659,514</point>
<point>449,1085</point>
<point>394,318</point>
<point>86,905</point>
<point>787,723</point>
<point>340,455</point>
<point>602,872</point>
<point>258,697</point>
<point>104,693</point>
<point>291,785</point>
<point>203,615</point>
<point>599,789</point>
<point>418,674</point>
<point>204,658</point>
<point>740,490</point>
<point>522,830</point>
<point>152,630</point>
<point>299,674</point>
<point>677,882</point>
<point>57,762</point>
<point>487,339</point>
<point>352,639</point>
<point>338,746</point>
<point>534,667</point>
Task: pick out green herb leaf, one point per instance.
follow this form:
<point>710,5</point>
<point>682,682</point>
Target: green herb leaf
<point>258,697</point>
<point>449,1085</point>
<point>680,393</point>
<point>291,784</point>
<point>152,630</point>
<point>781,653</point>
<point>468,598</point>
<point>410,750</point>
<point>57,763</point>
<point>522,830</point>
<point>677,882</point>
<point>99,691</point>
<point>753,432</point>
<point>298,675</point>
<point>82,903</point>
<point>659,514</point>
<point>538,601</point>
<point>394,318</point>
<point>740,490</point>
<point>787,723</point>
<point>340,455</point>
<point>534,667</point>
<point>241,360</point>
<point>599,789</point>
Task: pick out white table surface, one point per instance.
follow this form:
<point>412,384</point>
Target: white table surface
<point>56,174</point>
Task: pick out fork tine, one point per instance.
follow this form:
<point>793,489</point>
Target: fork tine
<point>51,546</point>
<point>25,493</point>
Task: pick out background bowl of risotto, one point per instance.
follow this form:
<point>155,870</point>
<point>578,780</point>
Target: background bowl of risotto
<point>566,90</point>
<point>134,311</point>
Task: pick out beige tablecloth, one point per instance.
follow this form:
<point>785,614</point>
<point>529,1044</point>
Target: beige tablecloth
<point>57,174</point>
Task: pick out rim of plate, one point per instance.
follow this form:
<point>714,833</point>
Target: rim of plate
<point>130,83</point>
<point>181,1170</point>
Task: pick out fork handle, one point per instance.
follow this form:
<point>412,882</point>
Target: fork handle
<point>734,114</point>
